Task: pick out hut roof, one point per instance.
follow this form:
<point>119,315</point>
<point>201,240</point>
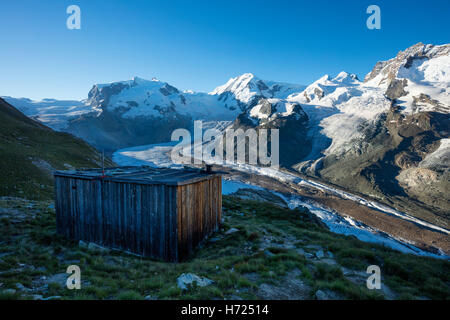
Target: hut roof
<point>142,175</point>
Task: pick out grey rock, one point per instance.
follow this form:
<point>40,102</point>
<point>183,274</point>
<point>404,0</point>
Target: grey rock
<point>268,253</point>
<point>328,295</point>
<point>360,278</point>
<point>320,254</point>
<point>167,90</point>
<point>320,295</point>
<point>266,107</point>
<point>95,247</point>
<point>289,288</point>
<point>396,89</point>
<point>259,195</point>
<point>319,93</point>
<point>231,230</point>
<point>388,293</point>
<point>82,244</point>
<point>9,291</point>
<point>21,287</point>
<point>52,298</point>
<point>187,279</point>
<point>328,261</point>
<point>60,278</point>
<point>252,276</point>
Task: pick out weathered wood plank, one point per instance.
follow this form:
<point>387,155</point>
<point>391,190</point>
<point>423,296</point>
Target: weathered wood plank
<point>159,221</point>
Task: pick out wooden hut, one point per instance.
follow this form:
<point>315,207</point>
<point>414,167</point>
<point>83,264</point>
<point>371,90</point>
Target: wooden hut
<point>157,213</point>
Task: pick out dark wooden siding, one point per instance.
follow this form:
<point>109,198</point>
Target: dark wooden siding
<point>199,213</point>
<point>159,221</point>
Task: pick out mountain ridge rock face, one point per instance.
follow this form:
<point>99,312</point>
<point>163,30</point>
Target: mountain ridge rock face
<point>289,118</point>
<point>397,155</point>
<point>387,71</point>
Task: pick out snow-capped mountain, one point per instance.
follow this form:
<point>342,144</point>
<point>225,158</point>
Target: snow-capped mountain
<point>141,98</point>
<point>154,98</point>
<point>418,78</point>
<point>54,113</point>
<point>382,136</point>
<point>336,107</point>
<point>248,89</point>
<point>387,136</point>
<point>119,114</point>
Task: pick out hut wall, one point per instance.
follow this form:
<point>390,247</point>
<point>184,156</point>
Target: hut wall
<point>140,219</point>
<point>199,213</point>
<point>159,221</point>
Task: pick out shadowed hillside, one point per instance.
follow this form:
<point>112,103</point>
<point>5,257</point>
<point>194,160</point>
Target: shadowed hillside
<point>30,151</point>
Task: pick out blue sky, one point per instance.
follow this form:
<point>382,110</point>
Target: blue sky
<point>199,45</point>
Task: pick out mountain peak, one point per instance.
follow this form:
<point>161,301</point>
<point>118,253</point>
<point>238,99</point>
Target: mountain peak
<point>236,84</point>
<point>139,80</point>
<point>247,87</point>
<point>247,75</point>
<point>325,77</point>
<point>344,76</point>
<point>386,71</point>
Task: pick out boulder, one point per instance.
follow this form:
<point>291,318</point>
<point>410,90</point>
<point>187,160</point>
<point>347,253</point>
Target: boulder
<point>231,230</point>
<point>186,279</point>
<point>320,254</point>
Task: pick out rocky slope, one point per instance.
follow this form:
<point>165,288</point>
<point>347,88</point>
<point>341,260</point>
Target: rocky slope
<point>288,117</point>
<point>400,153</point>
